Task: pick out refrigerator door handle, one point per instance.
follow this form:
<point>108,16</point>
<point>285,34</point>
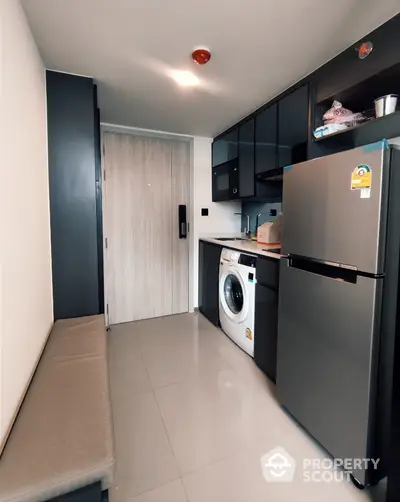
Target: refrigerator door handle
<point>328,269</point>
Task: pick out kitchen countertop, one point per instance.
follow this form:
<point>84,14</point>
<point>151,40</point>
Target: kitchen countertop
<point>245,245</point>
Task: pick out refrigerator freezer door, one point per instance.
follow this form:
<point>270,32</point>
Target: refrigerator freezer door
<point>325,219</point>
<point>326,359</point>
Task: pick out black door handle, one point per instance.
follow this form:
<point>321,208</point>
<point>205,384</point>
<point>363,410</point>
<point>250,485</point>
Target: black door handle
<point>182,221</point>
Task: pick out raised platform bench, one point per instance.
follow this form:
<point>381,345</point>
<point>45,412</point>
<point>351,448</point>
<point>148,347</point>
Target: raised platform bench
<point>62,440</point>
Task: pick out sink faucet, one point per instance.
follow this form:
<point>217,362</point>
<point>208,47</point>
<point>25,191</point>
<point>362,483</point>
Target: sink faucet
<point>248,232</point>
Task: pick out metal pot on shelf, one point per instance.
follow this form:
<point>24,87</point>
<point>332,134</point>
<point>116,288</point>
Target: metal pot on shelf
<point>385,105</point>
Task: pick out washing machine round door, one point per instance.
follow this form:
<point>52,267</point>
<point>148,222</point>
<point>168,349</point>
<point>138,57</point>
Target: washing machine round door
<point>233,296</point>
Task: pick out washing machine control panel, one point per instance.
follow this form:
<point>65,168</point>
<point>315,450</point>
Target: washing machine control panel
<point>228,255</point>
<point>231,256</point>
<point>248,260</point>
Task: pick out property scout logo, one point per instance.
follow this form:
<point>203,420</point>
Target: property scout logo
<point>278,466</point>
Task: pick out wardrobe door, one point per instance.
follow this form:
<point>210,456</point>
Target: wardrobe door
<point>72,147</point>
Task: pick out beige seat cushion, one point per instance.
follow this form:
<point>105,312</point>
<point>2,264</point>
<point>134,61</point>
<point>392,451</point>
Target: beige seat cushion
<point>62,438</point>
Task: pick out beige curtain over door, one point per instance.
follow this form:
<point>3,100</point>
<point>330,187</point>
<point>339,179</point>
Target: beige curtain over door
<point>146,263</point>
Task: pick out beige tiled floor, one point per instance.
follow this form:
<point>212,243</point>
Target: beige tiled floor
<point>193,416</point>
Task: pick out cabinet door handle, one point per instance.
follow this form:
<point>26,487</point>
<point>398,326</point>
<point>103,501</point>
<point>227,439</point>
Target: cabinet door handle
<point>234,190</point>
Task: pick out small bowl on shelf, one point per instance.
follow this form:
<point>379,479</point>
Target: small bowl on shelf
<point>385,105</point>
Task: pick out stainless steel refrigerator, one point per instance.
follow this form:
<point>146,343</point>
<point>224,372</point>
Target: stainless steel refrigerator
<point>338,300</point>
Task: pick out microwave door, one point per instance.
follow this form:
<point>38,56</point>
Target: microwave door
<point>225,183</point>
<point>221,182</point>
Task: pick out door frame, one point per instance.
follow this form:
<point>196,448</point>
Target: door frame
<point>104,128</point>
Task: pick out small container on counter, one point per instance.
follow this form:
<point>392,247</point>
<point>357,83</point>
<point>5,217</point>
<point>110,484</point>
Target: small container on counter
<point>270,232</point>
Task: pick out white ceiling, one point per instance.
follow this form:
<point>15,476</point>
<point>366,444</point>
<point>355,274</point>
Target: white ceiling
<point>259,47</point>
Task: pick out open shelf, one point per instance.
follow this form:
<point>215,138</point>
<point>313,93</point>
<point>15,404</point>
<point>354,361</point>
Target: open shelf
<point>360,99</point>
<point>372,123</point>
<point>362,95</point>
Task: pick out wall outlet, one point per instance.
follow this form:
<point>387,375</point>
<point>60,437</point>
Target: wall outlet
<point>204,211</point>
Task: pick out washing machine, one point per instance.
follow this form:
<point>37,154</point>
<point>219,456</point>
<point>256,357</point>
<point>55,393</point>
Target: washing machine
<point>237,291</point>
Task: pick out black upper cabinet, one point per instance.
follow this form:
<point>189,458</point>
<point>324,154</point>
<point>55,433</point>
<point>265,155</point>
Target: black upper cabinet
<point>347,69</point>
<point>266,139</point>
<point>293,127</point>
<point>271,139</point>
<point>246,159</point>
<point>225,148</point>
<point>75,195</point>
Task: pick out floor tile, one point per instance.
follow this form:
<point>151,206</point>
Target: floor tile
<point>214,416</point>
<point>180,362</point>
<point>188,402</point>
<point>171,492</point>
<point>177,348</point>
<point>124,341</point>
<point>243,364</point>
<point>126,381</point>
<point>128,375</point>
<point>144,458</point>
<point>239,478</point>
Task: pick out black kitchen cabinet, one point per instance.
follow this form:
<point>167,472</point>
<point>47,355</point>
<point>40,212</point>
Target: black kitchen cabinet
<point>266,154</point>
<point>246,159</point>
<point>91,493</point>
<point>75,195</point>
<point>209,261</point>
<point>283,128</point>
<point>347,69</point>
<point>225,148</point>
<point>271,139</point>
<point>293,127</point>
<point>266,140</point>
<point>266,316</point>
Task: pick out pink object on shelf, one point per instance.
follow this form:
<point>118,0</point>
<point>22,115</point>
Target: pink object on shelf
<point>339,115</point>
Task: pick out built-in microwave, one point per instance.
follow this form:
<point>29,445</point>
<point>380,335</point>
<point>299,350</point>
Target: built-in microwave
<point>225,181</point>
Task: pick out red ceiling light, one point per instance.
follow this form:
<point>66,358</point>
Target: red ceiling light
<point>201,55</point>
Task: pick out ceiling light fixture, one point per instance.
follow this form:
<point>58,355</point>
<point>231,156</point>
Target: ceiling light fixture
<point>185,78</point>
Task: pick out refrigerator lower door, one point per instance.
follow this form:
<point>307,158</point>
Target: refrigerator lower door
<point>326,367</point>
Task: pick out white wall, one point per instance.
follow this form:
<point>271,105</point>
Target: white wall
<point>25,262</point>
<point>220,219</point>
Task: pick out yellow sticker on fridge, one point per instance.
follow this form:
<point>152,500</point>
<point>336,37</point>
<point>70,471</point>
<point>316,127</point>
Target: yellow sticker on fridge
<point>361,177</point>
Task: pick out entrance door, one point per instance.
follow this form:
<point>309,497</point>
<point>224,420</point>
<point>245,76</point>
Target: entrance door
<point>147,254</point>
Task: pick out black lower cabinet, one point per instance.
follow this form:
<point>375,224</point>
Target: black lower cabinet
<point>266,316</point>
<point>75,195</point>
<point>91,493</point>
<point>209,260</point>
